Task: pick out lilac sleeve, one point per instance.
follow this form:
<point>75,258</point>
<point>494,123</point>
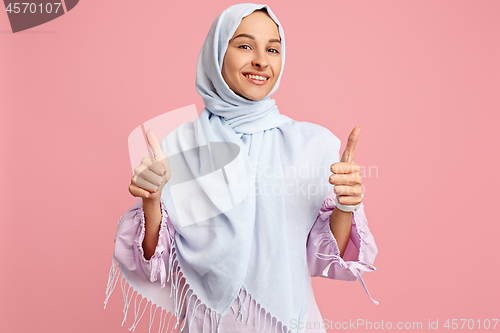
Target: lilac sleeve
<point>323,254</point>
<point>128,244</point>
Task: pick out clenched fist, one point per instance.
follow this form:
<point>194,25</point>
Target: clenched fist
<point>152,174</point>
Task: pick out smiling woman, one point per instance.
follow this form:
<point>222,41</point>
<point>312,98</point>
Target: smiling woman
<point>247,265</point>
<point>252,63</point>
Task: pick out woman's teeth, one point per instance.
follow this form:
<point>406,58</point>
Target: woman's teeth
<point>256,77</point>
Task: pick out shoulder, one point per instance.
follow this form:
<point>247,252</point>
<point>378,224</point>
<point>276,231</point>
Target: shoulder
<point>310,141</point>
<point>312,133</point>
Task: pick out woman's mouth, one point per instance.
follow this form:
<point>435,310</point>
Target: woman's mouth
<point>256,79</point>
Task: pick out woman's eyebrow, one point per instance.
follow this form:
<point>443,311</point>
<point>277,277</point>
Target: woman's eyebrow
<point>272,40</point>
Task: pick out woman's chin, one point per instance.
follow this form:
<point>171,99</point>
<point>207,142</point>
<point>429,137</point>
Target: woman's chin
<point>254,96</point>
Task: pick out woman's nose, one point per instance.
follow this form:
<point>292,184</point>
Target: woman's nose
<point>260,60</point>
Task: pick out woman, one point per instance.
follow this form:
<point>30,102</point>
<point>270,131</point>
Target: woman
<point>248,213</point>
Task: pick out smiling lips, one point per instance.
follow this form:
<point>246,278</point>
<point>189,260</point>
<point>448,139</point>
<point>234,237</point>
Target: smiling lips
<point>256,79</point>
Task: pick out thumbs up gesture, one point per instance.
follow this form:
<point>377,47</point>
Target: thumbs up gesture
<point>152,174</point>
<point>346,176</point>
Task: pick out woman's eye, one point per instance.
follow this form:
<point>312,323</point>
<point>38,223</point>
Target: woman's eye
<point>273,51</point>
<point>246,47</point>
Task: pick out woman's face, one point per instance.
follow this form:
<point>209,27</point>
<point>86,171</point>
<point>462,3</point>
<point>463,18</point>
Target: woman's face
<point>252,62</point>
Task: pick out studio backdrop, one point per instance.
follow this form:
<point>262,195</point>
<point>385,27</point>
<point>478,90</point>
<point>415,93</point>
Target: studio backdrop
<point>421,77</point>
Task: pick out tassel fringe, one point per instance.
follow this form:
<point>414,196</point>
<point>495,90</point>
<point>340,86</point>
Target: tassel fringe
<point>180,294</point>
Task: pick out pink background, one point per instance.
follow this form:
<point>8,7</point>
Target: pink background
<point>422,78</point>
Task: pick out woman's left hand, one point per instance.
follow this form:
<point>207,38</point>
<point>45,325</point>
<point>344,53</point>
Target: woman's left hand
<point>346,174</point>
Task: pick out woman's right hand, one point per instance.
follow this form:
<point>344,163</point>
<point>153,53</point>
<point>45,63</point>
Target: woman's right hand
<point>152,174</point>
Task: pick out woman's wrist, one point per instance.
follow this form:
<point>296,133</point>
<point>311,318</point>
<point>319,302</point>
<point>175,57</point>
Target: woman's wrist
<point>151,203</point>
<point>341,212</point>
<point>152,215</point>
<point>347,208</point>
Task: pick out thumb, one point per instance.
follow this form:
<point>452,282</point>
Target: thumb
<point>348,155</point>
<point>155,147</point>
